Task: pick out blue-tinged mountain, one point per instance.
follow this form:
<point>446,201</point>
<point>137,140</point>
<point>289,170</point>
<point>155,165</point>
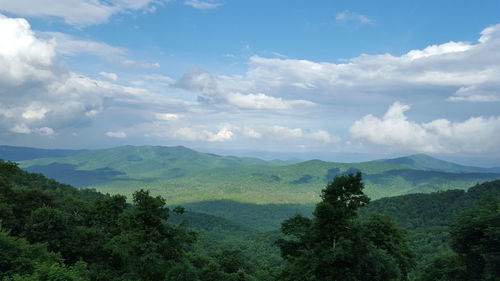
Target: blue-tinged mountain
<point>19,153</point>
<point>428,163</point>
<point>183,175</point>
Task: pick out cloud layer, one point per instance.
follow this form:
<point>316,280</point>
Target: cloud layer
<point>477,134</point>
<point>276,104</point>
<point>76,12</point>
<point>39,96</point>
<point>461,71</point>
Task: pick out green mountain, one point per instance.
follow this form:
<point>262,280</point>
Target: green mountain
<point>183,175</point>
<point>426,162</point>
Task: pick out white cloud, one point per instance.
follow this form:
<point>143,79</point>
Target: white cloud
<point>69,45</point>
<point>262,101</point>
<point>25,130</point>
<point>323,136</point>
<point>38,94</point>
<point>347,16</point>
<point>458,71</point>
<point>476,94</point>
<point>23,58</point>
<point>75,12</point>
<point>233,90</point>
<point>280,132</point>
<point>202,5</point>
<point>117,134</point>
<point>476,134</point>
<point>224,134</point>
<point>34,112</point>
<point>436,50</point>
<point>168,116</point>
<point>108,75</point>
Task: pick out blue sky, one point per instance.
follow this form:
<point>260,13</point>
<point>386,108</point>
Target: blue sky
<point>340,80</point>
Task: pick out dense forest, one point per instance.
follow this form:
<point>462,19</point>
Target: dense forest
<point>52,231</point>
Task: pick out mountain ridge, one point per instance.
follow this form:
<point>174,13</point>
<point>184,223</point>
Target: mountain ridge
<point>184,175</point>
<point>426,162</point>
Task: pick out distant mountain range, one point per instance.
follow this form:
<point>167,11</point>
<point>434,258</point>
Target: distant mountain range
<point>426,162</point>
<point>20,153</point>
<point>183,175</point>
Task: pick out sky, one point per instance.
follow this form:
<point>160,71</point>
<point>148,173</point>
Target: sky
<point>336,80</point>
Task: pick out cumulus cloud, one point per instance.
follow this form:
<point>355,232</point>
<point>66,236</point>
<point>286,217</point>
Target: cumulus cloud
<point>476,134</point>
<point>40,97</point>
<point>234,91</point>
<point>76,12</point>
<point>23,58</point>
<point>457,71</point>
<point>109,75</point>
<point>347,16</point>
<point>202,5</point>
<point>117,134</point>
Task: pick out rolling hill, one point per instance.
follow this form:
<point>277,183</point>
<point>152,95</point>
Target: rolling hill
<point>183,175</point>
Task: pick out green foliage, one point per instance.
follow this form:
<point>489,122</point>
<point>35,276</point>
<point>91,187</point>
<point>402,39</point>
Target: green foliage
<point>333,245</point>
<point>54,272</point>
<point>443,267</point>
<point>475,237</point>
<point>101,237</point>
<point>427,216</point>
<point>17,255</point>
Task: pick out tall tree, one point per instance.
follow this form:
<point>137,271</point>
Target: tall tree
<point>333,245</point>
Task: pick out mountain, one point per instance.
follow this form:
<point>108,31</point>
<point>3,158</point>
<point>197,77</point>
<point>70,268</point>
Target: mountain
<point>427,216</point>
<point>429,163</point>
<point>225,224</point>
<point>19,153</point>
<point>183,175</point>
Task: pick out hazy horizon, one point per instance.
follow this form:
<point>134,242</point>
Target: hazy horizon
<point>305,156</point>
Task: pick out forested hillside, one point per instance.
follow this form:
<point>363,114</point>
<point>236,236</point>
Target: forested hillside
<point>183,175</point>
<point>428,216</point>
<point>52,231</point>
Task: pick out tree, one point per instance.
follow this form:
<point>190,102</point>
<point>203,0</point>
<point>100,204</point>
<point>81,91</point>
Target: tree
<point>475,238</point>
<point>333,245</point>
<point>146,245</point>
